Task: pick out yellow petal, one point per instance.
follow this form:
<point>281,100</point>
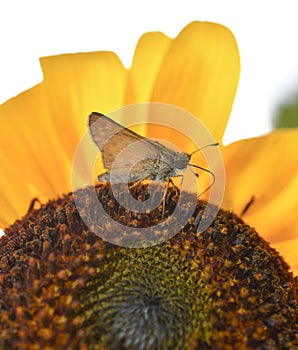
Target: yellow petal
<point>74,85</point>
<point>147,60</point>
<point>265,169</point>
<point>41,128</point>
<point>288,249</point>
<point>200,73</point>
<point>30,154</point>
<point>78,84</point>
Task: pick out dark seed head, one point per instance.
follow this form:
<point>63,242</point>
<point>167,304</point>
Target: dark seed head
<point>62,287</point>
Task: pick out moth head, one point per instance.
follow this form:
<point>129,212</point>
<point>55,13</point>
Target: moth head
<point>181,160</point>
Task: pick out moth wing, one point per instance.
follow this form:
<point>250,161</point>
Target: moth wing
<point>134,150</point>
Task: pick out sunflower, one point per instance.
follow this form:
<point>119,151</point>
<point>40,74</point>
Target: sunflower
<point>62,286</point>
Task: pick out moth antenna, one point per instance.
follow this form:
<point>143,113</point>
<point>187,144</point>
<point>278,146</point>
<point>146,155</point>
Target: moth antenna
<point>208,171</point>
<point>199,149</point>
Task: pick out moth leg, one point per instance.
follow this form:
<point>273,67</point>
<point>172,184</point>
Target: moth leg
<point>32,204</point>
<point>135,184</point>
<point>164,198</point>
<point>172,182</point>
<point>138,182</point>
<point>181,177</point>
<point>247,206</point>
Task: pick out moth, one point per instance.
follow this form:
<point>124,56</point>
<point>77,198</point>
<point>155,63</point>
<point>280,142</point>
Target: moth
<point>130,157</point>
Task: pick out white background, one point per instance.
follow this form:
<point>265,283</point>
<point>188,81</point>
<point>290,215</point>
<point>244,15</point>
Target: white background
<point>266,32</point>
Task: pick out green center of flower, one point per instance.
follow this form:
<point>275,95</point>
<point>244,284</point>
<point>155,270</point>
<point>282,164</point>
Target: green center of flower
<point>152,298</point>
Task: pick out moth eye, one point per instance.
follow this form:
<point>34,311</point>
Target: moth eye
<point>181,163</point>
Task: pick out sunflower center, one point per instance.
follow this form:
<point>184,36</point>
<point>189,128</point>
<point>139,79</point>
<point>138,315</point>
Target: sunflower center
<point>144,305</point>
<point>63,287</point>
